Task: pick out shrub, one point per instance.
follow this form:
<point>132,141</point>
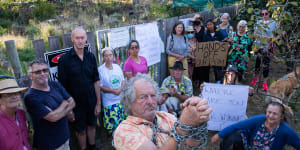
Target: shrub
<point>31,31</point>
<point>44,10</point>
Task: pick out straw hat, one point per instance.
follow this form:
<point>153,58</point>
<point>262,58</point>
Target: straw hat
<point>10,86</point>
<point>197,16</point>
<point>189,29</point>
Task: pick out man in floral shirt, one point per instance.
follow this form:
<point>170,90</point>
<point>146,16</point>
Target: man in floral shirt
<point>180,87</point>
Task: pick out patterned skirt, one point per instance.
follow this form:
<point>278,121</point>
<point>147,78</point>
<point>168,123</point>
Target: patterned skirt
<point>113,116</point>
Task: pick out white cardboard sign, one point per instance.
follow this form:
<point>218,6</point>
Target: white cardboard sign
<point>229,103</point>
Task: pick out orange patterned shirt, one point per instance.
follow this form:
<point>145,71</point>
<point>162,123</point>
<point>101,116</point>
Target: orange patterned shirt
<point>130,134</point>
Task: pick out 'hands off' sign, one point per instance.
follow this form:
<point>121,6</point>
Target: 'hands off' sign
<point>229,103</point>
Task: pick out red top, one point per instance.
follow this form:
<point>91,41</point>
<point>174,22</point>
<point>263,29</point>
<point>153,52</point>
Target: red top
<point>13,136</point>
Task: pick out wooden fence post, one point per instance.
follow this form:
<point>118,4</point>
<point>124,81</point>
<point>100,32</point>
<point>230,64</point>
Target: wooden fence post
<point>91,40</point>
<point>39,48</point>
<point>163,70</point>
<point>67,42</point>
<point>54,43</point>
<point>14,58</point>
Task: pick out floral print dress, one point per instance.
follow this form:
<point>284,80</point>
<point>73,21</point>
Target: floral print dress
<point>262,140</point>
<point>238,54</point>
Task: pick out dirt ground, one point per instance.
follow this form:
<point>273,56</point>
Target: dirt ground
<point>255,106</point>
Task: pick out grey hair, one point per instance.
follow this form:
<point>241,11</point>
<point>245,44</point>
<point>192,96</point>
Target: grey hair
<point>226,15</point>
<point>242,22</point>
<point>128,93</point>
<point>107,49</point>
<point>35,62</point>
<point>78,28</point>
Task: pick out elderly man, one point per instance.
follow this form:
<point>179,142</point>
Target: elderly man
<point>13,128</point>
<point>180,87</point>
<point>147,129</point>
<point>48,104</point>
<point>78,73</point>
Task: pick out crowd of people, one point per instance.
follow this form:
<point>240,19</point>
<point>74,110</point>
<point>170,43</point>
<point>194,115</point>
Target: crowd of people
<point>138,113</point>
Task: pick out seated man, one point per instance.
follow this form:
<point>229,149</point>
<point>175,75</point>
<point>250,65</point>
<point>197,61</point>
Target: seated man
<point>48,104</point>
<point>147,129</point>
<point>180,87</point>
<point>164,94</point>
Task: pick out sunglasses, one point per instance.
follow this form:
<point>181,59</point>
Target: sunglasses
<point>134,47</point>
<point>264,14</point>
<point>46,70</point>
<point>189,32</point>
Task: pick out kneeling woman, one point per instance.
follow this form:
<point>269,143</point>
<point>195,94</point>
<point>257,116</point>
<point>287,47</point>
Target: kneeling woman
<point>266,132</point>
<point>111,83</point>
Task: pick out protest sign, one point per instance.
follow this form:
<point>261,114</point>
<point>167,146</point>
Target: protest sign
<point>52,59</point>
<point>211,54</point>
<point>150,42</point>
<point>229,104</point>
<point>118,37</point>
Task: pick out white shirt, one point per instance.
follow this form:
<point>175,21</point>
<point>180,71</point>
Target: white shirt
<point>111,79</point>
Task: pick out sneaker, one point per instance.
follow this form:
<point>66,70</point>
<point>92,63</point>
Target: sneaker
<point>253,82</point>
<point>265,86</point>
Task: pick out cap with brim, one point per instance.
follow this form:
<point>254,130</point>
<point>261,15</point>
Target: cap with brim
<point>231,68</point>
<point>178,65</point>
<point>164,90</point>
<point>10,86</point>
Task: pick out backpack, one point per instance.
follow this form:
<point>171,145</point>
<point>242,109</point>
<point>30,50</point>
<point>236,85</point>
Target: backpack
<point>172,40</point>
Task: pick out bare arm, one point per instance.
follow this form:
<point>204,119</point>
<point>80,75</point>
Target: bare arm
<point>65,107</point>
<point>195,113</point>
<point>97,91</point>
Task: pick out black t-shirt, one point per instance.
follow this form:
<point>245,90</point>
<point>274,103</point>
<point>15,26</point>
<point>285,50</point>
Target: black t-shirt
<point>78,77</point>
<point>47,135</point>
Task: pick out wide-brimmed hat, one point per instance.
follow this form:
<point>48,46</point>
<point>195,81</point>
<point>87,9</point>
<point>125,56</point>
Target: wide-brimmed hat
<point>189,29</point>
<point>164,90</point>
<point>178,65</point>
<point>10,86</point>
<point>231,68</point>
<point>197,16</point>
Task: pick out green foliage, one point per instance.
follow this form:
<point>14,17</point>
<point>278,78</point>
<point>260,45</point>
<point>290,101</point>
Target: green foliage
<point>44,10</point>
<point>3,30</point>
<point>32,30</point>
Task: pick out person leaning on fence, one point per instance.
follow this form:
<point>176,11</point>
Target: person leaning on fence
<point>134,63</point>
<point>268,132</point>
<point>178,46</point>
<point>13,127</point>
<point>111,83</point>
<point>147,129</point>
<point>78,73</point>
<point>180,87</point>
<point>50,107</point>
<point>224,27</point>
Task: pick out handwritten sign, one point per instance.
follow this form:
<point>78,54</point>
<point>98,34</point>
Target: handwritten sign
<point>229,103</point>
<point>211,54</point>
<point>118,37</point>
<point>150,42</point>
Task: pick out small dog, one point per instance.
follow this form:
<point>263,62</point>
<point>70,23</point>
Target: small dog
<point>283,87</point>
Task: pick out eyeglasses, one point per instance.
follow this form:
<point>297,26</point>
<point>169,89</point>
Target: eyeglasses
<point>38,72</point>
<point>134,47</point>
<point>264,14</point>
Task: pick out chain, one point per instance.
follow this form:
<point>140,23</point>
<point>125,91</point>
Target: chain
<point>156,129</point>
<point>196,133</point>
